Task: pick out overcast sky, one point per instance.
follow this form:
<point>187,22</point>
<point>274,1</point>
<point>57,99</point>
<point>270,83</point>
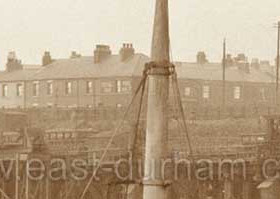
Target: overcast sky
<point>30,27</point>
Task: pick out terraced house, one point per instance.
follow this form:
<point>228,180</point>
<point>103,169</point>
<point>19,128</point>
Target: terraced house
<point>108,80</point>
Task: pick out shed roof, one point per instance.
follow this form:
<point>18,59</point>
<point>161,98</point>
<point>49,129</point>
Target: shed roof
<point>268,183</point>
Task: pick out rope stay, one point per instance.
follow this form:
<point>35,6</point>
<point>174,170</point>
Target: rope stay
<point>141,88</point>
<point>177,94</point>
<point>119,126</point>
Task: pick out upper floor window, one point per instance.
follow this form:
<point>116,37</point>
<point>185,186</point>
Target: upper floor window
<point>4,90</point>
<point>35,89</point>
<point>206,92</point>
<point>19,90</point>
<point>187,91</point>
<point>49,88</point>
<point>89,87</point>
<point>262,94</point>
<point>237,92</point>
<point>123,86</point>
<point>68,88</point>
<point>107,87</point>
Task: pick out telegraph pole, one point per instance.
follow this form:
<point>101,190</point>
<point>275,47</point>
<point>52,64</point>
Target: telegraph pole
<point>277,64</point>
<point>224,74</point>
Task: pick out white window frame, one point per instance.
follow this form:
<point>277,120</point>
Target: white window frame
<point>119,86</point>
<point>237,92</point>
<point>89,87</point>
<point>107,87</point>
<point>263,94</point>
<point>68,88</point>
<point>19,90</point>
<point>206,92</point>
<point>187,91</point>
<point>126,86</point>
<point>49,88</point>
<point>123,86</point>
<point>5,90</point>
<point>35,89</point>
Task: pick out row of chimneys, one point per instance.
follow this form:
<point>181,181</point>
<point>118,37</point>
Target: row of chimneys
<point>101,53</point>
<point>240,58</point>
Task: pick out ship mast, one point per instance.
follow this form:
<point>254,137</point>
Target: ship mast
<point>158,92</point>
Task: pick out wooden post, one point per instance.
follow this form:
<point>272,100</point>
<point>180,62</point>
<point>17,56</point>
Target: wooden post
<point>228,189</point>
<point>17,177</point>
<point>224,75</point>
<point>47,187</point>
<point>26,186</point>
<point>277,65</point>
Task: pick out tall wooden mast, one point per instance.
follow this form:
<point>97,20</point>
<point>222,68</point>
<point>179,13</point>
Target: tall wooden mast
<point>158,91</point>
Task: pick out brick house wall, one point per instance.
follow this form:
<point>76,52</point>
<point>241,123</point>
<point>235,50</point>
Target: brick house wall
<point>79,95</point>
<point>11,100</point>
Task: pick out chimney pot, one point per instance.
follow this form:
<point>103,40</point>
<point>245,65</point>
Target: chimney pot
<point>126,51</point>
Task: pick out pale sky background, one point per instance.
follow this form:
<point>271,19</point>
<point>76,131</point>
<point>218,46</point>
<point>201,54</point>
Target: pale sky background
<point>30,27</point>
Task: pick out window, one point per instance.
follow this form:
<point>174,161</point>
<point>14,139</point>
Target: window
<point>206,92</point>
<point>35,105</point>
<point>67,135</point>
<point>59,135</point>
<point>5,90</point>
<point>89,88</point>
<point>126,86</point>
<point>68,88</point>
<point>119,86</point>
<point>53,135</point>
<point>237,92</point>
<point>49,88</point>
<point>107,87</point>
<point>123,86</point>
<point>19,90</point>
<point>187,91</point>
<point>262,94</point>
<point>35,89</point>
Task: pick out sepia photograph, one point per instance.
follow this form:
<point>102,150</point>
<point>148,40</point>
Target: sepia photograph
<point>139,99</point>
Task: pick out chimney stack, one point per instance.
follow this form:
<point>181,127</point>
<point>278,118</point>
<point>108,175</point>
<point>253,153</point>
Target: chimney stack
<point>201,58</point>
<point>47,59</point>
<point>126,51</point>
<point>75,55</point>
<point>101,53</point>
<point>229,60</point>
<point>13,63</point>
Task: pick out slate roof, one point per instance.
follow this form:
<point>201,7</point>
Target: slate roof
<point>213,71</point>
<point>18,75</point>
<point>84,67</point>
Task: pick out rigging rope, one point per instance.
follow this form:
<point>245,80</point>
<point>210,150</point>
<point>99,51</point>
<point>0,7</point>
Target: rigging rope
<point>142,82</point>
<point>181,110</point>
